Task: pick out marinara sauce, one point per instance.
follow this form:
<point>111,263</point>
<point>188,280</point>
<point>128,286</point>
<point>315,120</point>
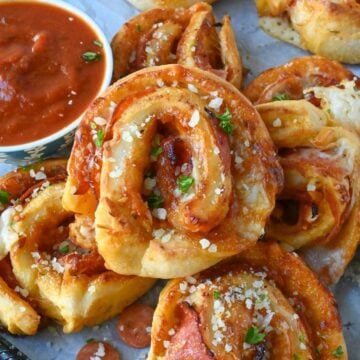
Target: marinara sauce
<point>51,68</point>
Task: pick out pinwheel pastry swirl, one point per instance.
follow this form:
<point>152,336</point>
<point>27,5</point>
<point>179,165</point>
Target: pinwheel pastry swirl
<point>289,81</point>
<point>317,213</point>
<point>262,304</point>
<point>322,224</point>
<point>185,36</point>
<point>65,280</point>
<point>325,27</point>
<point>150,4</point>
<point>17,314</point>
<point>179,169</point>
<point>326,84</point>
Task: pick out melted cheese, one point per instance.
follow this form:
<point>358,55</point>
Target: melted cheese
<point>8,236</point>
<point>342,103</point>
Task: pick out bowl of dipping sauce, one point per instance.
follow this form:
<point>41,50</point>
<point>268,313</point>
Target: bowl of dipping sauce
<point>54,61</point>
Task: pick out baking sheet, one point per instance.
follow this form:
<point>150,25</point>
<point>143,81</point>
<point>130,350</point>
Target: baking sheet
<point>259,52</point>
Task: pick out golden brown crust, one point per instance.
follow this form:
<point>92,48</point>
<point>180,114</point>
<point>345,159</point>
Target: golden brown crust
<point>295,76</point>
<point>151,4</point>
<point>336,25</point>
<point>272,7</point>
<point>263,287</point>
<point>317,212</point>
<point>184,36</point>
<point>18,182</point>
<point>68,285</point>
<point>321,222</point>
<point>16,314</point>
<point>223,214</point>
<point>82,231</point>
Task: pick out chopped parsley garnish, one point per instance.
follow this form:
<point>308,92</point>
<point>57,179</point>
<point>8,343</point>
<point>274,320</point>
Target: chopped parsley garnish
<point>338,352</point>
<point>88,341</point>
<point>98,43</point>
<point>4,197</point>
<point>302,338</point>
<point>184,183</point>
<point>318,350</point>
<point>91,56</point>
<point>280,97</point>
<point>64,249</point>
<point>225,121</point>
<point>261,298</point>
<point>154,201</point>
<point>216,294</point>
<point>296,357</point>
<point>138,28</point>
<point>253,336</point>
<point>99,138</point>
<point>26,167</point>
<point>156,148</point>
<point>156,151</point>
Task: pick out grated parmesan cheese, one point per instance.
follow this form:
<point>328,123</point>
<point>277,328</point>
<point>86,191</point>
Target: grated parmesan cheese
<point>195,118</point>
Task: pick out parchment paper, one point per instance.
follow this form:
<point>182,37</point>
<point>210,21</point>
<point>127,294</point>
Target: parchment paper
<point>259,52</point>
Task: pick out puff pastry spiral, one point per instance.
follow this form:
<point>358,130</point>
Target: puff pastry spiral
<point>318,210</point>
<point>164,137</point>
<point>16,311</point>
<point>183,36</point>
<point>63,280</point>
<point>262,304</point>
<point>289,81</point>
<point>150,4</point>
<point>324,27</point>
<point>324,83</point>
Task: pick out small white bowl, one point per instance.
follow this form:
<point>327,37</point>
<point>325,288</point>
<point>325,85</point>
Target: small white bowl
<point>59,143</point>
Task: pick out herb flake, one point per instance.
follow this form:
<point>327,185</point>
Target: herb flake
<point>302,338</point>
<point>154,201</point>
<point>184,183</point>
<point>91,56</point>
<point>216,294</point>
<point>156,151</point>
<point>64,249</point>
<point>253,336</point>
<point>99,140</point>
<point>280,97</point>
<point>261,298</point>
<point>26,167</point>
<point>225,121</point>
<point>338,352</point>
<point>4,197</point>
<point>98,43</point>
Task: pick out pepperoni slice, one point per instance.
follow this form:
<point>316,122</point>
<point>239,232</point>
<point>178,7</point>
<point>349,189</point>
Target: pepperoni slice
<point>188,343</point>
<point>134,324</point>
<point>98,349</point>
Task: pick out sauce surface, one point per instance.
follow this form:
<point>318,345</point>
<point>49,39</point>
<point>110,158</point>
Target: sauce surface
<point>45,83</point>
